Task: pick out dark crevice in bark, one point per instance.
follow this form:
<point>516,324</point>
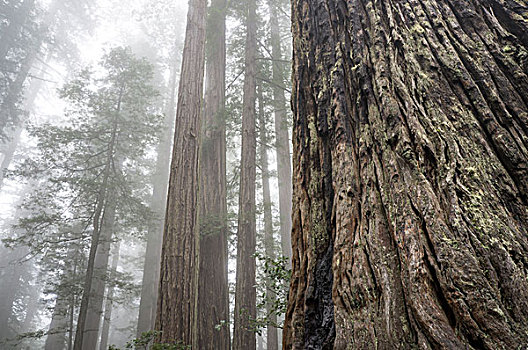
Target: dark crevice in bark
<point>430,149</point>
<point>430,253</point>
<point>452,81</point>
<point>444,304</point>
<point>508,22</point>
<point>319,313</point>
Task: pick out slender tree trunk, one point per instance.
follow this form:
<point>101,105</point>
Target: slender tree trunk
<point>8,107</point>
<point>245,293</point>
<point>178,290</point>
<point>10,146</point>
<point>73,303</point>
<point>269,243</point>
<point>61,320</point>
<point>109,300</point>
<point>56,339</point>
<point>8,152</point>
<point>260,345</point>
<point>282,139</point>
<point>151,270</point>
<point>410,149</point>
<point>95,303</point>
<point>10,275</point>
<point>213,292</point>
<point>102,198</point>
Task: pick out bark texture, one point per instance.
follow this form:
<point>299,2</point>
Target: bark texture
<point>245,293</point>
<point>213,292</point>
<point>410,154</point>
<point>178,290</point>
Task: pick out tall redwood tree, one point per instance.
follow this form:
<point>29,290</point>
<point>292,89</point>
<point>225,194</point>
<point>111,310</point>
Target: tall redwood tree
<point>245,293</point>
<point>176,317</point>
<point>213,292</point>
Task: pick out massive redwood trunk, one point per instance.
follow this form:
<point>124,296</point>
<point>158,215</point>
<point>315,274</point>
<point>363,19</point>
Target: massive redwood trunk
<point>411,181</point>
<point>213,289</point>
<point>177,317</point>
<point>245,293</point>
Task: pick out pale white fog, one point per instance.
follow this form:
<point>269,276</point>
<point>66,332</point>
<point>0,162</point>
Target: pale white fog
<point>96,99</point>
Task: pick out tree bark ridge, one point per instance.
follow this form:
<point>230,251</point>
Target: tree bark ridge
<point>177,314</point>
<point>413,114</point>
<point>213,293</point>
<point>245,293</point>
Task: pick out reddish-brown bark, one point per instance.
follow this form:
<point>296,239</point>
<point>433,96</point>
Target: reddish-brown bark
<point>245,293</point>
<point>410,195</point>
<point>177,312</point>
<point>213,293</point>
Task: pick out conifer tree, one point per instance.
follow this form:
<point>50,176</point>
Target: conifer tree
<point>177,313</point>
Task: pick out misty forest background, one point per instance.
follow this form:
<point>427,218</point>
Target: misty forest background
<point>88,101</point>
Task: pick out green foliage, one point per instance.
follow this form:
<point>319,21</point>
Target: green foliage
<point>278,277</point>
<point>222,324</point>
<point>147,341</point>
<point>112,122</point>
<point>111,127</point>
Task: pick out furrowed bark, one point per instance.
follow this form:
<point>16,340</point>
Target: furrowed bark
<point>410,198</point>
<point>245,293</point>
<point>213,292</point>
<point>177,317</point>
